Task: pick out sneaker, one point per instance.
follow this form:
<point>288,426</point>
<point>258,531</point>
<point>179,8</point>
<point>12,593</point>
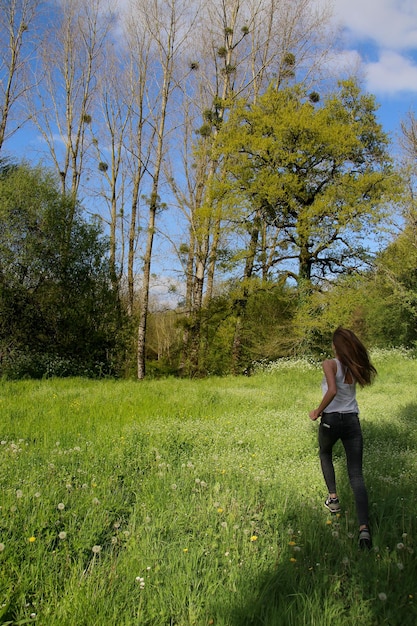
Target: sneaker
<point>365,541</point>
<point>332,504</point>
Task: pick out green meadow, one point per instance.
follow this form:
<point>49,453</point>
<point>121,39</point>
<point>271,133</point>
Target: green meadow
<point>200,502</point>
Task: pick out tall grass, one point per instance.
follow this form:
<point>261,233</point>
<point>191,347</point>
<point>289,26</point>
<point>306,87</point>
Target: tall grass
<point>186,503</point>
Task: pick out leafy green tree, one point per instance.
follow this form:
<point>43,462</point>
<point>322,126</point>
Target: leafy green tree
<point>57,309</point>
<point>391,293</point>
<point>306,182</point>
<point>315,178</point>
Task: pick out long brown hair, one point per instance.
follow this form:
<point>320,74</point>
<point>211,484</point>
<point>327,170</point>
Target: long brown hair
<point>353,354</point>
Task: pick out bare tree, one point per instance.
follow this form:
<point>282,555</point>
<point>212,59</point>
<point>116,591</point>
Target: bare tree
<point>71,58</point>
<point>169,24</point>
<point>140,134</point>
<point>17,18</point>
<point>408,139</point>
<point>112,116</point>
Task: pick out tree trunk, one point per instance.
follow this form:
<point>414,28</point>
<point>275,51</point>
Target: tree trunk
<point>144,299</point>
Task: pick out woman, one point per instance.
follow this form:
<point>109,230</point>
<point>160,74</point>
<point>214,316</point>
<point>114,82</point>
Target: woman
<point>340,420</point>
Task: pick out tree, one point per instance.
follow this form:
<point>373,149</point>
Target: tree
<point>16,20</point>
<point>72,56</point>
<point>164,21</point>
<point>306,182</point>
<point>55,296</point>
<point>319,178</point>
<point>237,50</point>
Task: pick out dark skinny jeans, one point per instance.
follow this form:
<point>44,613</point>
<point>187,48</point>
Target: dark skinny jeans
<point>347,428</point>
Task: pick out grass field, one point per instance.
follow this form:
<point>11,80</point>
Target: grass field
<point>180,502</point>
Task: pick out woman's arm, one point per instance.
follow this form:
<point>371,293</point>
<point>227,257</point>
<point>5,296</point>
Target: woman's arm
<point>330,369</point>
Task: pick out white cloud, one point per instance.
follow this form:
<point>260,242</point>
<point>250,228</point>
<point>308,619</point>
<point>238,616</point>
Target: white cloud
<point>391,74</point>
<point>386,32</point>
<point>389,24</point>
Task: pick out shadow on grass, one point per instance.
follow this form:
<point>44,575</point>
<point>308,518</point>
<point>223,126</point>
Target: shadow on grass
<point>329,580</point>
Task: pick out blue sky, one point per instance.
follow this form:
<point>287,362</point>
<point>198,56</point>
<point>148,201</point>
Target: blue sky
<point>380,36</point>
<point>378,39</point>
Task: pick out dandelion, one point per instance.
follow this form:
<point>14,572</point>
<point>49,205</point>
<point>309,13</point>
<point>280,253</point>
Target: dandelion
<point>61,506</point>
<point>96,549</point>
<point>185,550</point>
<point>297,549</point>
<point>96,501</point>
<point>114,540</point>
<point>173,487</point>
<point>291,543</point>
<point>2,546</point>
<point>62,535</point>
<point>37,494</point>
<point>345,560</point>
<point>254,538</point>
<point>382,596</point>
<point>219,510</point>
<point>329,522</point>
<point>293,560</point>
<point>19,493</point>
<point>32,616</point>
<point>32,539</point>
<point>400,566</point>
<point>400,546</point>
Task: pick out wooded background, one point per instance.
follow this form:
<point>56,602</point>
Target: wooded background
<point>208,147</point>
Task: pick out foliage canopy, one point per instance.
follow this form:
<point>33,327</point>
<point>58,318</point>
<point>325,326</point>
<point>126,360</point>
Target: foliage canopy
<point>56,303</point>
<point>318,174</point>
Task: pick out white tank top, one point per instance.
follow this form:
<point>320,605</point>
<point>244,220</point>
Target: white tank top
<point>345,398</point>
